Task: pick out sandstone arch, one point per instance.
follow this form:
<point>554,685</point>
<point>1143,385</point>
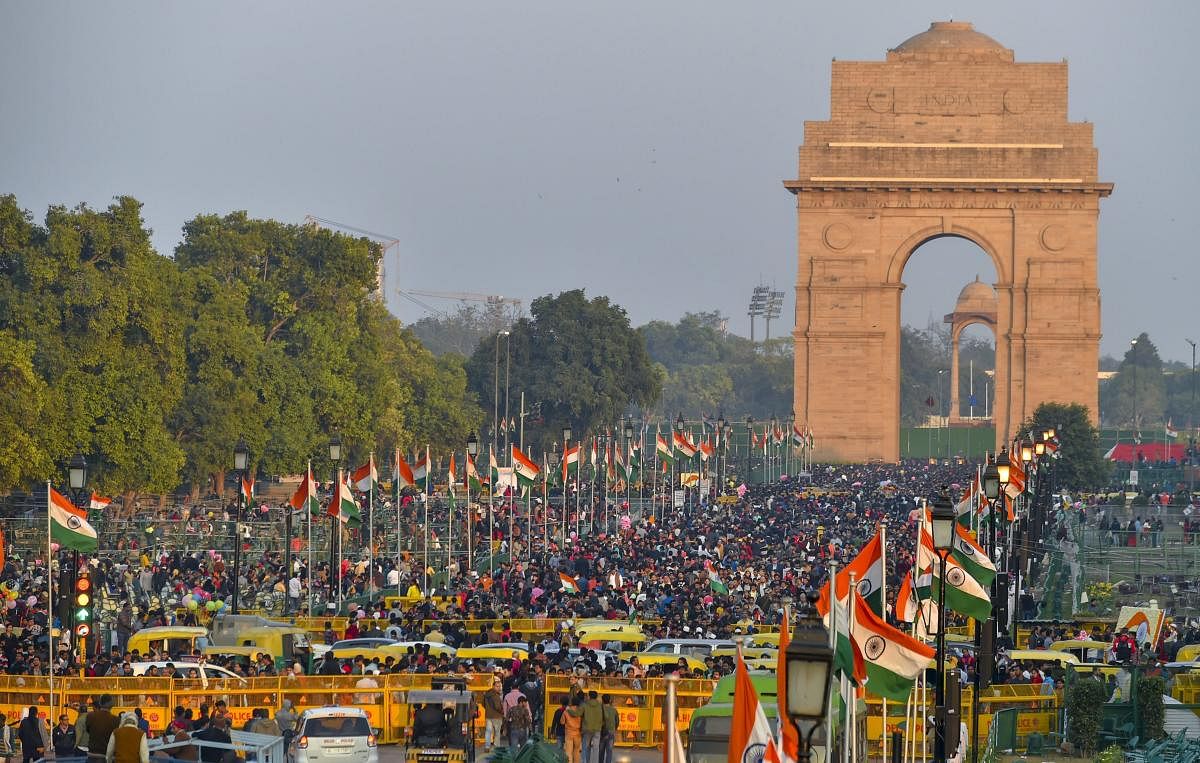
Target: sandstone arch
<point>949,136</point>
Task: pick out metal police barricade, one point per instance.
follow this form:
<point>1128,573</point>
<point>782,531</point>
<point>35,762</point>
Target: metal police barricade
<point>152,695</point>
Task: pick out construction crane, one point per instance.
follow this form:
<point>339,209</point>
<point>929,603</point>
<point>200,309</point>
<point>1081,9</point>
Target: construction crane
<point>493,300</point>
<point>385,241</point>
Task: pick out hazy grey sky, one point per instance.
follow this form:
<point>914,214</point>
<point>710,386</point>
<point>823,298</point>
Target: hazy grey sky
<point>635,149</point>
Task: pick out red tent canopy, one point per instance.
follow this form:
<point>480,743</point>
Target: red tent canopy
<point>1150,451</point>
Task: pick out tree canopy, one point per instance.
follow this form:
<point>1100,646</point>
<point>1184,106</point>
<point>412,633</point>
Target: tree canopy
<point>578,361</point>
<point>153,367</point>
<point>707,371</point>
<point>1080,465</point>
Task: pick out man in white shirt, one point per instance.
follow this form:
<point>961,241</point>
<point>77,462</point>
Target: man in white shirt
<point>294,589</point>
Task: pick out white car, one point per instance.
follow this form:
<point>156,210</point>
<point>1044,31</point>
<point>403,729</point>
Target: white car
<point>185,669</point>
<point>333,735</point>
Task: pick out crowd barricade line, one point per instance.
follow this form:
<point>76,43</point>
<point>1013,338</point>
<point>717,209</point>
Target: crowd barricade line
<point>1037,712</point>
<point>639,703</point>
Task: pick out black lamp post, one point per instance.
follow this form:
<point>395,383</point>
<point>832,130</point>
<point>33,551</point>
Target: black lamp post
<point>241,460</point>
<point>628,456</point>
<point>551,465</point>
<point>749,447</point>
<point>721,455</point>
<point>943,541</point>
<point>566,435</point>
<point>77,481</point>
<point>335,570</point>
<point>679,426</point>
<point>725,454</point>
<point>472,452</point>
<point>809,661</point>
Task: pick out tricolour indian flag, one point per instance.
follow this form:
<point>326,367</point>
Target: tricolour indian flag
<point>967,508</point>
<point>706,450</point>
<point>964,594</point>
<point>69,525</point>
<point>893,658</point>
<point>867,569</point>
<point>527,471</point>
<point>837,613</point>
<point>305,497</point>
<point>570,462</point>
<point>365,477</point>
<point>404,473</point>
<point>1016,479</point>
<point>98,502</point>
<point>662,451</point>
<point>972,557</point>
<point>684,446</point>
<point>421,472</point>
<point>472,477</point>
<point>342,505</point>
<point>797,436</point>
<point>750,733</point>
<point>568,583</point>
<point>247,488</point>
<point>714,578</point>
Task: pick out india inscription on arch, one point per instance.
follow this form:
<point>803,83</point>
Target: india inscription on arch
<point>949,136</point>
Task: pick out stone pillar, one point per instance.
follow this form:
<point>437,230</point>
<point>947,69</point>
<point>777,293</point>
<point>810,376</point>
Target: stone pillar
<point>954,405</point>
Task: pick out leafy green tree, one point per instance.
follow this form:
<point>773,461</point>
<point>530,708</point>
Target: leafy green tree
<point>577,360</point>
<point>1080,464</point>
<point>1135,397</point>
<point>96,301</point>
<point>709,372</point>
<point>22,456</point>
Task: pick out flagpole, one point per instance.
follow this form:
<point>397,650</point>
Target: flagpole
<point>833,629</point>
<point>467,485</point>
<point>607,466</point>
<point>669,721</point>
<point>396,480</point>
<point>492,509</point>
<point>308,574</point>
<point>50,598</point>
<point>449,525</point>
<point>852,709</point>
<point>654,480</point>
<point>883,606</point>
<point>425,572</point>
<point>337,526</point>
<point>546,505</point>
<point>370,525</point>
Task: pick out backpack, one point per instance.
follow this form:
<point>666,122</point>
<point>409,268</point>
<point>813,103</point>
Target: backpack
<point>1124,652</point>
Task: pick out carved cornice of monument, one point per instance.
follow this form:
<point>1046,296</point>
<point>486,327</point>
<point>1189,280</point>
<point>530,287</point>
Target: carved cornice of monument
<point>965,185</point>
<point>812,195</point>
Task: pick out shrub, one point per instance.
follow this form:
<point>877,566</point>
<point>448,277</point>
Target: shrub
<point>1085,703</point>
<point>1150,706</point>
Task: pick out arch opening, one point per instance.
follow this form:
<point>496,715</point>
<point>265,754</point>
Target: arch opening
<point>948,317</point>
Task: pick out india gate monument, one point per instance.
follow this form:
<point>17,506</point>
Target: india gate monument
<point>948,136</point>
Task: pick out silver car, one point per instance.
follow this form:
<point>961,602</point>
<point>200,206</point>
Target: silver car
<point>334,735</point>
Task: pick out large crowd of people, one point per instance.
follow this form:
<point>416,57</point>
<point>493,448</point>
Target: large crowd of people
<point>768,544</point>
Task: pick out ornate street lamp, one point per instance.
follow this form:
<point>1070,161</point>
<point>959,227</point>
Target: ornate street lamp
<point>77,473</point>
<point>809,661</point>
<point>943,521</point>
<point>991,480</point>
<point>1003,467</point>
<point>241,461</point>
<point>335,570</point>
